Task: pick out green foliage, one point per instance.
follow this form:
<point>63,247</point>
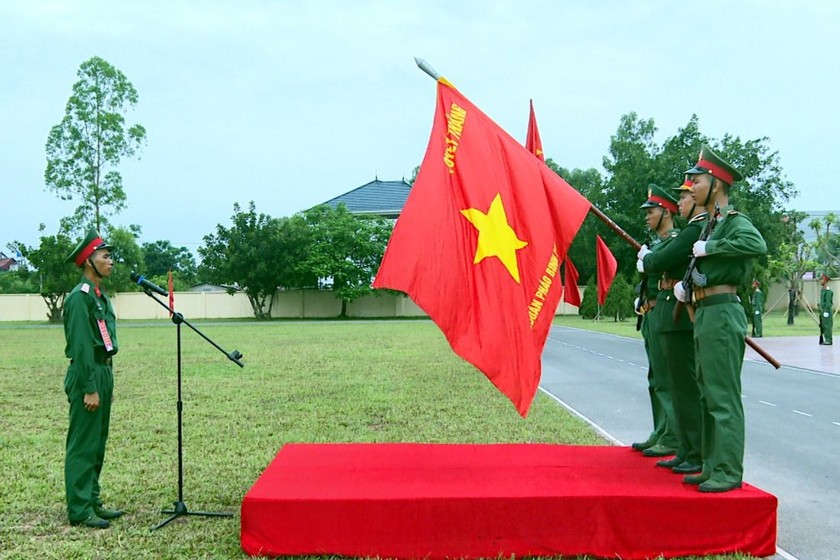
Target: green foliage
<point>826,246</point>
<point>589,303</point>
<point>249,256</point>
<point>619,302</point>
<point>56,276</point>
<point>85,148</point>
<point>160,257</point>
<point>128,258</point>
<point>345,250</point>
<point>20,281</point>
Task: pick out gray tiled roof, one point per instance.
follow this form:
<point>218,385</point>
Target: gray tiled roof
<point>381,198</point>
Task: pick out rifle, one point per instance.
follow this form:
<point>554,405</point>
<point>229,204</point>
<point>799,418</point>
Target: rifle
<point>688,280</point>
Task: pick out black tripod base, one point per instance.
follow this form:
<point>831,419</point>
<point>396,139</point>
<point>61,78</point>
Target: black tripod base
<point>180,510</point>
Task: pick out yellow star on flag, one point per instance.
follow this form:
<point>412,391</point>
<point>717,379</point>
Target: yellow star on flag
<point>495,236</point>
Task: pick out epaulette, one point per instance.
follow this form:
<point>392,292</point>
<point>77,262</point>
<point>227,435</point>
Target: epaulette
<point>674,233</point>
<point>699,217</point>
<point>84,288</point>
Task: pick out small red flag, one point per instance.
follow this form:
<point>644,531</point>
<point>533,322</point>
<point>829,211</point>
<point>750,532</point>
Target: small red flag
<point>171,293</point>
<point>607,267</point>
<point>571,294</point>
<point>533,142</point>
<point>479,243</point>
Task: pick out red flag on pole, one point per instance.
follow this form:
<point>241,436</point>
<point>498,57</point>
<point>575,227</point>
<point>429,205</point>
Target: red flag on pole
<point>607,266</point>
<point>171,293</point>
<point>570,289</point>
<point>479,243</point>
<point>533,143</point>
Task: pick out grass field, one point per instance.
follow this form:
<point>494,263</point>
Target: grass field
<point>303,382</point>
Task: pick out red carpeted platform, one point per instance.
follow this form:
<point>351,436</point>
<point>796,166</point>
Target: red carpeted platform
<point>436,501</point>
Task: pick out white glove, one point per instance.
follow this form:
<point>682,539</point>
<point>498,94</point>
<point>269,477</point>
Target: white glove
<point>699,249</point>
<point>679,291</point>
<point>640,265</point>
<point>825,314</point>
<point>643,250</point>
<point>636,308</point>
<point>757,312</point>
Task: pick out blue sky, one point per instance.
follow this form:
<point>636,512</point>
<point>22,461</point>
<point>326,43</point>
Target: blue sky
<point>290,103</point>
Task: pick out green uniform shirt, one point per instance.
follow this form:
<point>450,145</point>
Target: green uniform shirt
<point>657,244</point>
<point>758,301</point>
<point>731,248</point>
<point>826,300</point>
<point>90,328</point>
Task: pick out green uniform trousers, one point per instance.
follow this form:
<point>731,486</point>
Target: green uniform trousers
<point>758,324</point>
<point>719,331</point>
<point>680,357</point>
<point>659,386</point>
<point>826,326</point>
<point>86,437</point>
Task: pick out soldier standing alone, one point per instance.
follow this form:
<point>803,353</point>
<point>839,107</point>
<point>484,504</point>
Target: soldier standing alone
<point>91,335</point>
<point>826,311</point>
<point>757,301</point>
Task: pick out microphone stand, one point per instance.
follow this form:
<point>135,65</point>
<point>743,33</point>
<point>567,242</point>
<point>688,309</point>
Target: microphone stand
<point>180,508</point>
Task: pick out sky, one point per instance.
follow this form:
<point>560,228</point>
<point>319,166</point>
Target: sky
<point>291,103</point>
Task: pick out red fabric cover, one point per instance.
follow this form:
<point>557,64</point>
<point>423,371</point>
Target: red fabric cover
<point>479,243</point>
<point>437,501</point>
<point>607,265</point>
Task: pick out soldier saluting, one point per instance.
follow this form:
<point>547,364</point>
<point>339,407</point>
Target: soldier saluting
<point>91,334</point>
<point>724,261</point>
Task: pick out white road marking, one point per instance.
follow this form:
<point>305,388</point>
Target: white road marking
<point>803,413</point>
<point>767,403</point>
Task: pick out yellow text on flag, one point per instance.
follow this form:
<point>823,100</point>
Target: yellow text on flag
<point>544,287</point>
<point>455,119</point>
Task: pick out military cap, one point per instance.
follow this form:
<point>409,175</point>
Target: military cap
<point>658,197</point>
<point>91,243</point>
<point>824,278</point>
<point>756,283</point>
<point>711,163</point>
<point>686,186</point>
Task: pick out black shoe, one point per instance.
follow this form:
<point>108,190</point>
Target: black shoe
<point>107,513</point>
<point>712,486</point>
<point>695,479</point>
<point>642,445</point>
<point>670,463</point>
<point>687,468</point>
<point>92,521</point>
<point>659,451</point>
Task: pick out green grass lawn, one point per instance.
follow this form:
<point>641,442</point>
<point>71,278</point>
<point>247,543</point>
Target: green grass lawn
<point>303,382</point>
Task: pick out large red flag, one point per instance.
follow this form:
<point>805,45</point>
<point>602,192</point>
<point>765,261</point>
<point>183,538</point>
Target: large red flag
<point>607,266</point>
<point>570,288</point>
<point>479,243</point>
<point>533,143</point>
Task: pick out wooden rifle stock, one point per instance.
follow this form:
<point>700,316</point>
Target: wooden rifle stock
<point>762,352</point>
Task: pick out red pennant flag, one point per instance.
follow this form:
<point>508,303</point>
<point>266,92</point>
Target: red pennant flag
<point>171,294</point>
<point>479,243</point>
<point>570,289</point>
<point>533,143</point>
<point>607,266</point>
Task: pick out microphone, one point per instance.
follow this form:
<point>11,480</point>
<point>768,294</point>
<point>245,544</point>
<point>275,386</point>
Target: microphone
<point>146,285</point>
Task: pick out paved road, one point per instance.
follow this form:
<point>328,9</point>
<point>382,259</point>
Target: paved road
<point>793,424</point>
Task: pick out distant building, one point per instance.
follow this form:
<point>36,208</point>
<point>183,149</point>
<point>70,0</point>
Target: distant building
<point>377,198</point>
<point>7,264</point>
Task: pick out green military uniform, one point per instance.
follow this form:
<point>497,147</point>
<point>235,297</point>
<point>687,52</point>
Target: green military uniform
<point>826,313</point>
<point>664,440</point>
<point>757,302</point>
<point>91,335</point>
<point>719,331</point>
<point>671,263</point>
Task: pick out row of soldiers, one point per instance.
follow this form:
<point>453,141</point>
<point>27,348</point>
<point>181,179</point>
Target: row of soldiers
<point>695,355</point>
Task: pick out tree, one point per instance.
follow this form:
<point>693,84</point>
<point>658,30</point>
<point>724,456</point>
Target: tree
<point>249,256</point>
<point>790,262</point>
<point>619,302</point>
<point>85,148</point>
<point>20,281</point>
<point>160,257</point>
<point>56,277</point>
<point>345,250</point>
<point>827,243</point>
<point>128,258</point>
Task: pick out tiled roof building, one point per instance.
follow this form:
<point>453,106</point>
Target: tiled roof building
<point>379,198</point>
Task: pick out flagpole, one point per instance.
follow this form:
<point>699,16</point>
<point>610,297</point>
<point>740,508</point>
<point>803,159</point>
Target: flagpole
<point>427,68</point>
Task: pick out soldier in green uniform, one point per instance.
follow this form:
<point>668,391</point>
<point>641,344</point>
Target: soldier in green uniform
<point>826,311</point>
<point>91,335</point>
<point>724,261</point>
<point>757,302</point>
<point>670,264</point>
<point>660,208</point>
